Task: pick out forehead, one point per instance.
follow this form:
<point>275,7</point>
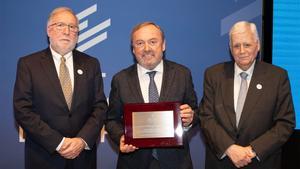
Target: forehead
<point>147,32</point>
<point>243,35</point>
<point>64,16</point>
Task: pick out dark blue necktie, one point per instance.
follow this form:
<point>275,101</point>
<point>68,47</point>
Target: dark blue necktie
<point>153,92</point>
<point>153,97</point>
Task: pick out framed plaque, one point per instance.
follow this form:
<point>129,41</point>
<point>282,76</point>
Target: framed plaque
<point>153,124</point>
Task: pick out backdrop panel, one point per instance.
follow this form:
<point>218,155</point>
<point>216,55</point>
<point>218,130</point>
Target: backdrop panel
<point>196,36</point>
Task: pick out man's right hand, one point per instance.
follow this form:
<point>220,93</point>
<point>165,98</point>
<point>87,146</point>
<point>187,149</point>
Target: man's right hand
<point>125,148</point>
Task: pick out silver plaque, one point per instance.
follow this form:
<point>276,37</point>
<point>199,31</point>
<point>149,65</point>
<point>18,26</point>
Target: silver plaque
<point>152,124</point>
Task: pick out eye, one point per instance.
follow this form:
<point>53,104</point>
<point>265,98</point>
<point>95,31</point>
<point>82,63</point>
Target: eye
<point>236,46</point>
<point>139,44</point>
<point>73,28</point>
<point>153,42</point>
<point>247,45</point>
<point>60,25</point>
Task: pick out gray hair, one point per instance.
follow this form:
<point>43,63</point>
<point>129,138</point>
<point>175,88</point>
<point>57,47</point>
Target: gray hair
<point>244,24</point>
<point>58,10</point>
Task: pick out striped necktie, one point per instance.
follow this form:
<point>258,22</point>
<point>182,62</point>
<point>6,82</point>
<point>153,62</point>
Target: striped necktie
<point>65,81</point>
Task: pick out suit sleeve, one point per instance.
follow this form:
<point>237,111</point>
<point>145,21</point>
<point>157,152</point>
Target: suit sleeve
<point>25,113</point>
<point>114,124</point>
<point>90,131</point>
<point>190,98</point>
<point>284,122</point>
<point>216,136</point>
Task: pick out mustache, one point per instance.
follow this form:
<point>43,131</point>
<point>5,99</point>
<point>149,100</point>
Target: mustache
<point>148,52</point>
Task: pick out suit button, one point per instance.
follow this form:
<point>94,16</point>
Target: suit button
<point>70,115</point>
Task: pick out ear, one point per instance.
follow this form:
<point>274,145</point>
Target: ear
<point>164,46</point>
<point>133,50</point>
<point>258,46</point>
<point>48,29</point>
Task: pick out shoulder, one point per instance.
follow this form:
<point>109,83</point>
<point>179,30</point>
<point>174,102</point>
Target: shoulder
<point>84,57</point>
<point>220,68</point>
<point>35,56</point>
<point>270,68</point>
<point>178,67</point>
<point>125,73</point>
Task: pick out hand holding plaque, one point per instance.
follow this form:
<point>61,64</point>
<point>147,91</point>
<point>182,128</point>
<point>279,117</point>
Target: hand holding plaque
<point>153,124</point>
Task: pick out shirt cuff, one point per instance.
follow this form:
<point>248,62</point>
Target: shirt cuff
<point>86,145</point>
<point>60,144</point>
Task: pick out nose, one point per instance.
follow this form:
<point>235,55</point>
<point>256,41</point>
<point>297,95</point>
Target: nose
<point>66,30</point>
<point>242,49</point>
<point>147,47</point>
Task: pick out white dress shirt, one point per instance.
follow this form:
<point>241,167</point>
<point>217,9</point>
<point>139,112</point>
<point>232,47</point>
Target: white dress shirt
<point>144,79</point>
<point>69,63</point>
<point>238,79</point>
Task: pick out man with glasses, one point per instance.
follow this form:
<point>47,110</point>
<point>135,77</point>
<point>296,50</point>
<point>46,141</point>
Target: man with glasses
<point>59,100</point>
<point>173,82</point>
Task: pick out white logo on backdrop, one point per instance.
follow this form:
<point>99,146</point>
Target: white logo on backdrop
<point>92,36</point>
<point>83,42</point>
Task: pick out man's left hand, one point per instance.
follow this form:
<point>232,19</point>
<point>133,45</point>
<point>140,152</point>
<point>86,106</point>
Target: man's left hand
<point>74,148</point>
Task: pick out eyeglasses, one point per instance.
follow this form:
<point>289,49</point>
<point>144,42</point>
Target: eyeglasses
<point>141,43</point>
<point>244,45</point>
<point>61,26</point>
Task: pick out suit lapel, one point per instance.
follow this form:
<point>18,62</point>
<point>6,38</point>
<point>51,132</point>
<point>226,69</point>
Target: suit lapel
<point>134,85</point>
<point>167,81</point>
<point>227,92</point>
<point>253,94</point>
<point>50,71</point>
<point>79,76</point>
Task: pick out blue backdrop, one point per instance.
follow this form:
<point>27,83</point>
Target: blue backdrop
<point>196,36</point>
<point>286,43</point>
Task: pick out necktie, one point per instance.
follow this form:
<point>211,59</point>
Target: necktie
<point>65,81</point>
<point>153,92</point>
<point>241,97</point>
<point>153,97</point>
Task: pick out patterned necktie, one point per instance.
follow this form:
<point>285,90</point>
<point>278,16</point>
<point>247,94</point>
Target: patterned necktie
<point>65,81</point>
<point>241,97</point>
<point>153,92</point>
<point>153,97</point>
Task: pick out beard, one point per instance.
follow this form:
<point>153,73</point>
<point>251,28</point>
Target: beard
<point>149,59</point>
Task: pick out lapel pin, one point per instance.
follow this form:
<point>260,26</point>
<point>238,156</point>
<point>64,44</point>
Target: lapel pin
<point>259,86</point>
<point>79,71</point>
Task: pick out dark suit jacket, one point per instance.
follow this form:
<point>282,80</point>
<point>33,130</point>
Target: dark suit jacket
<point>267,118</point>
<point>40,108</point>
<point>177,85</point>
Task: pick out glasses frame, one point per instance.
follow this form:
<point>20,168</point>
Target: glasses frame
<point>61,26</point>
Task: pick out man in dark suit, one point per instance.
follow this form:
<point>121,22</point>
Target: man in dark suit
<point>247,111</point>
<point>59,100</point>
<point>173,82</point>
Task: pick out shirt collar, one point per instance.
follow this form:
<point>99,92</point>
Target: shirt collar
<point>238,70</point>
<point>57,56</point>
<point>159,68</point>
